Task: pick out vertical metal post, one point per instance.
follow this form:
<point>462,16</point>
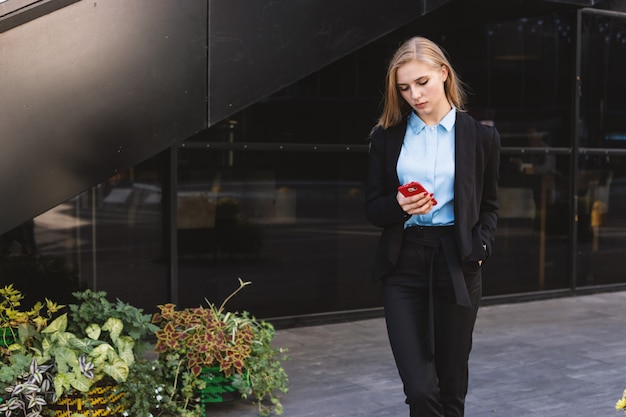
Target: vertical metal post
<point>78,235</point>
<point>574,162</point>
<point>231,139</point>
<point>172,196</point>
<point>94,247</point>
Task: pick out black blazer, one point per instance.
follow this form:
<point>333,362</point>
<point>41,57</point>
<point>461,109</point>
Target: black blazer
<point>477,163</point>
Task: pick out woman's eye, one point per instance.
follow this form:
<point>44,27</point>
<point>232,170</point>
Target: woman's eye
<point>423,82</point>
<point>403,88</point>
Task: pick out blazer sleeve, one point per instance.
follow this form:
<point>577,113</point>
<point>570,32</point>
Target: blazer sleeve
<point>381,207</point>
<point>488,211</point>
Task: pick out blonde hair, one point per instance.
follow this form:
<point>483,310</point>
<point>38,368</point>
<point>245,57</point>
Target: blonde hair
<point>427,52</point>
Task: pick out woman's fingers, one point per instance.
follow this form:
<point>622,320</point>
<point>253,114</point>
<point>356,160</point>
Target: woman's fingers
<point>416,204</point>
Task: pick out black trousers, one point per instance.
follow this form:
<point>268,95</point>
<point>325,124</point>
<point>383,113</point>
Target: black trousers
<point>434,372</point>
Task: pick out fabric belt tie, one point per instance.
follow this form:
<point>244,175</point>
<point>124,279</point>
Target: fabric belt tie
<point>441,238</point>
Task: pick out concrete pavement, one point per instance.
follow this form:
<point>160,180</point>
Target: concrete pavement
<point>563,357</point>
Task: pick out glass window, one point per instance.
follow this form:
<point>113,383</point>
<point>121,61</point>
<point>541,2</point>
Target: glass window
<point>532,239</point>
<point>520,76</point>
<point>107,239</point>
<point>602,81</point>
<point>602,172</point>
<point>293,223</point>
<point>601,224</point>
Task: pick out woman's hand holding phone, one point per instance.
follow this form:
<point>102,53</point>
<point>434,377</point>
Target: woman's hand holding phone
<point>415,199</point>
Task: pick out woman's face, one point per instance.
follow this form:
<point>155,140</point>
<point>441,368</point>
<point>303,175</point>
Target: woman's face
<point>422,88</point>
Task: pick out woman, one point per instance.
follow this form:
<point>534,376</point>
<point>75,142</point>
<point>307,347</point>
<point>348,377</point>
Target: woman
<point>433,243</point>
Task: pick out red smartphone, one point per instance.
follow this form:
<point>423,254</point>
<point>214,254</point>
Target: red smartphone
<point>413,188</point>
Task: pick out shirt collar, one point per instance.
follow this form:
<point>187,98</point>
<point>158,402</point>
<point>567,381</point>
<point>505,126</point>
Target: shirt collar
<point>447,122</point>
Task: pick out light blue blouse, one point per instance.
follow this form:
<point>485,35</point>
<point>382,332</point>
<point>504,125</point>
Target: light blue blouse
<point>427,156</point>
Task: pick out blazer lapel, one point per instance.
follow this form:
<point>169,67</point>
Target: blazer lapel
<point>465,161</point>
<point>394,142</point>
<point>394,146</point>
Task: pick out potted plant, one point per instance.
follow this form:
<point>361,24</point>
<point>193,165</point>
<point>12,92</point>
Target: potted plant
<point>14,319</point>
<point>25,384</point>
<point>138,393</point>
<point>94,347</point>
<point>30,392</point>
<point>205,345</point>
<point>80,355</point>
<point>83,360</point>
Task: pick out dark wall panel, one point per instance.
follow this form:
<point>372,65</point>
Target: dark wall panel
<point>259,46</point>
<point>94,88</point>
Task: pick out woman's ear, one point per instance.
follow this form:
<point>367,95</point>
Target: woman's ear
<point>444,73</point>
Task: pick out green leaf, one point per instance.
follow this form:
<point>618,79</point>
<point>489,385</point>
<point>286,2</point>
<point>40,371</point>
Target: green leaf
<point>114,326</point>
<point>25,332</point>
<point>14,347</point>
<point>80,382</point>
<point>84,345</point>
<point>65,358</point>
<point>93,331</point>
<point>61,384</point>
<point>45,346</point>
<point>118,370</point>
<point>100,354</point>
<point>125,346</point>
<point>64,339</point>
<point>57,325</point>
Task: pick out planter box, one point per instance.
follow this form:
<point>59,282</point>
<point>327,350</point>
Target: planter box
<point>98,402</point>
<point>218,388</point>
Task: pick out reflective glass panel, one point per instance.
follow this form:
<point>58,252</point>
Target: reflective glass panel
<point>292,223</point>
<point>531,251</point>
<point>601,221</point>
<point>601,177</point>
<point>108,238</point>
<point>603,62</point>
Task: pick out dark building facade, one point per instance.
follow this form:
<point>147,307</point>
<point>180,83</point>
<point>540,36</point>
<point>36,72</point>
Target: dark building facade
<point>172,161</point>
